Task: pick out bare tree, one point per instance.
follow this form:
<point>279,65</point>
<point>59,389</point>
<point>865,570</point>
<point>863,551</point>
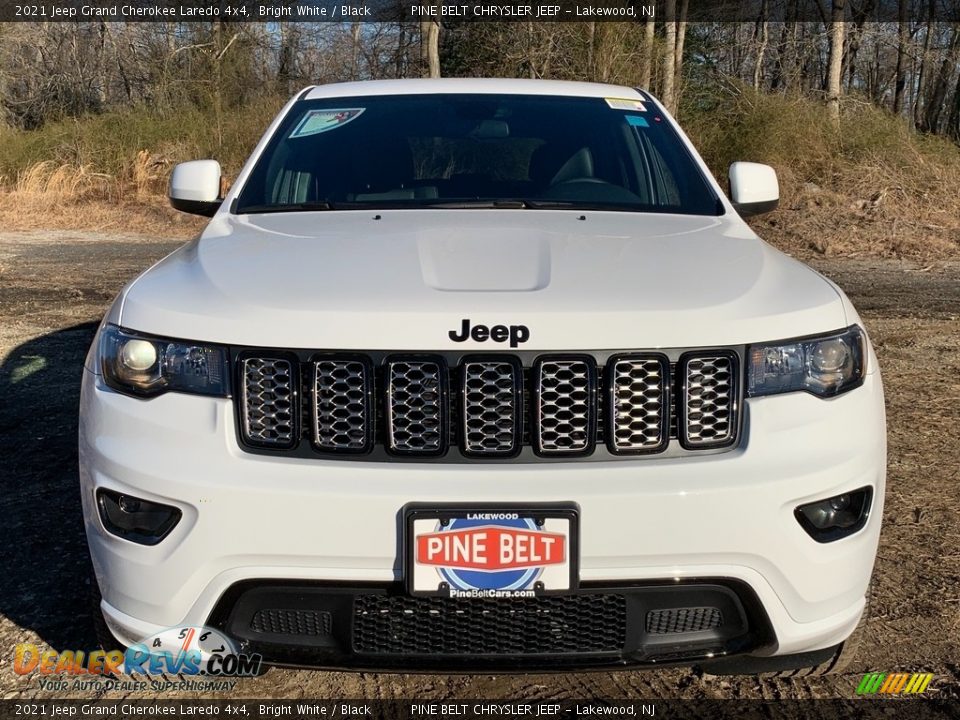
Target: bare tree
<point>430,47</point>
<point>835,62</point>
<point>646,58</point>
<point>669,57</point>
<point>903,36</point>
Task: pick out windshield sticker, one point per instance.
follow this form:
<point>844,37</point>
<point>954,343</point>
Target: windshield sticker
<point>321,121</point>
<point>637,121</point>
<point>625,104</point>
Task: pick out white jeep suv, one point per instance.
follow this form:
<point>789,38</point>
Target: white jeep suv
<point>484,374</point>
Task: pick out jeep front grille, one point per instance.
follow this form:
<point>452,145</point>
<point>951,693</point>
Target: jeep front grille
<point>416,406</point>
<point>709,400</point>
<point>269,407</point>
<point>491,399</point>
<point>565,405</point>
<point>638,404</point>
<point>342,404</point>
<point>492,408</point>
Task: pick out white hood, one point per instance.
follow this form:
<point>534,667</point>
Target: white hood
<point>403,279</point>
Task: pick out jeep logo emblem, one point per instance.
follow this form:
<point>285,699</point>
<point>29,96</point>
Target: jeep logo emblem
<point>516,334</point>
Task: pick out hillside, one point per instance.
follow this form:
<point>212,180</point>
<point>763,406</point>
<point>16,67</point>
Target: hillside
<point>873,188</point>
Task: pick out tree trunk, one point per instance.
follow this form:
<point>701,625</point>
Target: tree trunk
<point>591,42</point>
<point>903,34</point>
<point>763,32</point>
<point>953,125</point>
<point>678,54</point>
<point>646,59</point>
<point>835,63</point>
<point>430,48</point>
<point>669,55</point>
<point>938,96</point>
<point>786,51</point>
<point>918,101</point>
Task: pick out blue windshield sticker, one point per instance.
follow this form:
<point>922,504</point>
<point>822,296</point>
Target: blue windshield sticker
<point>637,121</point>
<point>321,121</point>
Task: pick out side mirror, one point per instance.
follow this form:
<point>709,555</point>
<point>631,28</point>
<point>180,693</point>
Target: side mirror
<point>754,189</point>
<point>195,187</point>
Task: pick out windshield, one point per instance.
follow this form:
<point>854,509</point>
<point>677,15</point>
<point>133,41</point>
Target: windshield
<point>460,150</point>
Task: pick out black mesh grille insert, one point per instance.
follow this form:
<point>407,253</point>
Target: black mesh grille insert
<point>491,407</point>
<point>710,400</point>
<point>683,620</point>
<point>523,626</point>
<point>638,408</point>
<point>291,622</point>
<point>269,402</point>
<point>565,413</point>
<point>415,406</point>
<point>342,415</point>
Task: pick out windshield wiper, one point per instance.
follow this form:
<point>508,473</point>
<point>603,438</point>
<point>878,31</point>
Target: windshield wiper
<point>505,204</point>
<point>287,207</point>
<point>584,205</point>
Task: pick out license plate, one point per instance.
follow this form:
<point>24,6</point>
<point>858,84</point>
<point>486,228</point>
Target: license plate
<point>491,552</point>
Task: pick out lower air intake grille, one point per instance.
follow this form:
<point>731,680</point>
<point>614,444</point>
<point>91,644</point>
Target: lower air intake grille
<point>683,620</point>
<point>269,405</point>
<point>524,626</point>
<point>292,622</point>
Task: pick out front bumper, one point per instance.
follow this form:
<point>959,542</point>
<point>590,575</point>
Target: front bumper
<point>250,517</point>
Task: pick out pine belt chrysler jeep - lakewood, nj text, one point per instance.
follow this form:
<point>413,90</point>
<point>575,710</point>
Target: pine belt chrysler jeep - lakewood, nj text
<point>476,374</point>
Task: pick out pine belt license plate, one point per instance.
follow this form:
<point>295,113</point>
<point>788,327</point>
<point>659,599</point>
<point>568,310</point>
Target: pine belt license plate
<point>491,552</point>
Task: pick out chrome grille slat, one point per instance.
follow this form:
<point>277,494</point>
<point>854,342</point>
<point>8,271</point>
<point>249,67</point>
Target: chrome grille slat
<point>416,416</point>
<point>490,399</point>
<point>638,404</point>
<point>708,408</point>
<point>342,412</point>
<point>565,406</point>
<point>269,402</point>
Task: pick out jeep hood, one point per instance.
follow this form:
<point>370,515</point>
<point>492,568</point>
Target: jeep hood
<point>402,279</point>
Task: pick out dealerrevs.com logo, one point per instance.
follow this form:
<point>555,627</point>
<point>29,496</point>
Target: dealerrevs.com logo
<point>203,658</point>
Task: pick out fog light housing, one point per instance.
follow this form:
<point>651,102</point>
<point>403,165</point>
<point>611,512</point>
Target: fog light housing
<point>835,517</point>
<point>135,519</point>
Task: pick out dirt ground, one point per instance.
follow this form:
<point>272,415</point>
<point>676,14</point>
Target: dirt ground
<point>55,286</point>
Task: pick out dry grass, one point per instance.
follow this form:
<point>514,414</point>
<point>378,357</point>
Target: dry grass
<point>53,196</point>
<point>875,188</point>
<point>48,179</point>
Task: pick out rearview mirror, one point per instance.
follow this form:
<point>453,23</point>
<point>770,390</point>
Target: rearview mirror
<point>753,188</point>
<point>195,187</point>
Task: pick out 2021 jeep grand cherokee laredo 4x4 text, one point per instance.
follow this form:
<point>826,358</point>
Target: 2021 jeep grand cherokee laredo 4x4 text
<point>484,373</point>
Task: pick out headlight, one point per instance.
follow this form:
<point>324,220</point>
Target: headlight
<point>147,366</point>
<point>825,366</point>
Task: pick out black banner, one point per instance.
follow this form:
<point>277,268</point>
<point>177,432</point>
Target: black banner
<point>233,11</point>
<point>307,709</point>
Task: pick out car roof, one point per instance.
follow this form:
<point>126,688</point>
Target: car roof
<point>431,86</point>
